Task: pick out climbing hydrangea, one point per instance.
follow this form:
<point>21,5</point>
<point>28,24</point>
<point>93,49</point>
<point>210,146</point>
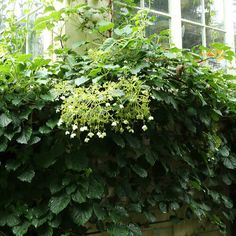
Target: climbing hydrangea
<point>115,105</point>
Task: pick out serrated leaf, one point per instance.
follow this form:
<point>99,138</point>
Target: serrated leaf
<point>3,145</point>
<point>12,165</point>
<point>59,203</point>
<point>139,171</point>
<point>25,136</point>
<point>52,123</point>
<point>81,80</point>
<point>12,220</point>
<point>22,229</point>
<point>224,151</point>
<point>4,120</point>
<point>118,230</point>
<point>230,162</point>
<point>95,189</point>
<point>134,230</point>
<point>44,130</point>
<point>100,212</point>
<point>79,196</point>
<point>81,216</point>
<point>27,176</point>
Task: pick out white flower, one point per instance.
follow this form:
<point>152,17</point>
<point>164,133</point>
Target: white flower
<point>144,128</point>
<point>74,127</point>
<point>108,104</point>
<point>114,123</point>
<point>60,122</point>
<point>150,118</point>
<point>57,110</point>
<point>131,131</point>
<point>115,104</point>
<point>121,106</point>
<point>62,97</point>
<point>67,133</point>
<point>72,135</point>
<point>86,140</point>
<point>99,134</point>
<point>84,128</point>
<point>126,122</point>
<point>103,135</point>
<point>90,134</point>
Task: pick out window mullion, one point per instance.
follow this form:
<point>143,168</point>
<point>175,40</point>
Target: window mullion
<point>229,25</point>
<point>175,25</point>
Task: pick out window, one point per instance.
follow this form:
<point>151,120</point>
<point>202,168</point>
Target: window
<point>194,22</point>
<point>33,43</point>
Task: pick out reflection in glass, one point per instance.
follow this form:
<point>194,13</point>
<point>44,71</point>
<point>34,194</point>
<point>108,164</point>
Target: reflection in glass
<point>192,35</point>
<point>158,5</point>
<point>160,23</point>
<point>214,13</point>
<point>214,36</point>
<point>191,10</point>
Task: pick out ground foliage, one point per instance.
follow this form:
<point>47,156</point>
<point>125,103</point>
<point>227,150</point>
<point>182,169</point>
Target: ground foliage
<point>160,136</point>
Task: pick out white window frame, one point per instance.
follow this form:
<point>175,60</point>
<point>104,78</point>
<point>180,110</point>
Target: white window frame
<point>176,22</point>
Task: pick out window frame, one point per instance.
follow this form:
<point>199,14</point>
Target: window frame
<point>176,21</point>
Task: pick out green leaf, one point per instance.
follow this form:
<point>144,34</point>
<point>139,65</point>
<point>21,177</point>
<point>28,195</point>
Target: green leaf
<point>3,145</point>
<point>139,171</point>
<point>81,80</point>
<point>150,157</point>
<point>52,123</point>
<point>12,220</point>
<point>27,176</point>
<point>134,230</point>
<point>81,216</point>
<point>58,203</point>
<point>77,161</point>
<point>12,164</point>
<point>124,31</point>
<point>44,130</point>
<point>79,196</point>
<point>224,151</point>
<point>25,136</point>
<point>4,120</point>
<point>95,189</point>
<point>104,26</point>
<point>230,162</point>
<point>21,229</point>
<point>118,230</point>
<point>100,212</point>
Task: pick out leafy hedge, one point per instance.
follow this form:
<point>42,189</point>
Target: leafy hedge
<point>156,134</point>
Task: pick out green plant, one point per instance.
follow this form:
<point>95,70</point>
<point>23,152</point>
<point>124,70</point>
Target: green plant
<point>178,152</point>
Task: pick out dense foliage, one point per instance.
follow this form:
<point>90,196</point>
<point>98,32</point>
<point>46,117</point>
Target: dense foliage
<point>119,131</point>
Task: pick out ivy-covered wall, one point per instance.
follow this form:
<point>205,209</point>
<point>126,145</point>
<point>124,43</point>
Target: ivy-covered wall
<point>107,138</point>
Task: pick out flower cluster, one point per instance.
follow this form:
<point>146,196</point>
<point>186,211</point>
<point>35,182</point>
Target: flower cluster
<point>113,105</point>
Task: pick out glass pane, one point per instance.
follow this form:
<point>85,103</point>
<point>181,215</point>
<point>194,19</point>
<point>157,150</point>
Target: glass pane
<point>214,36</point>
<point>214,13</point>
<point>158,5</point>
<point>234,15</point>
<point>160,23</point>
<point>192,35</point>
<point>192,10</point>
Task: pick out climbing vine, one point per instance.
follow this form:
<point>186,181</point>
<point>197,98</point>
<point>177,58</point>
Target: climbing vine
<point>120,130</point>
